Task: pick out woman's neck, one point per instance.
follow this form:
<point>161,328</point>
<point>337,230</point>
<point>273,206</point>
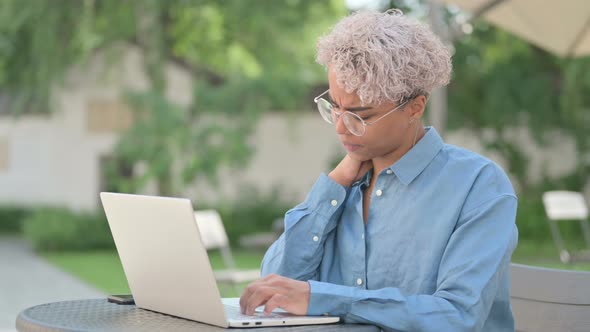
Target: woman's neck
<point>381,163</point>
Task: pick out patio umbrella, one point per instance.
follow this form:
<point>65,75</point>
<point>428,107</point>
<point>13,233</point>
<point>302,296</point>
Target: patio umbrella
<point>561,27</point>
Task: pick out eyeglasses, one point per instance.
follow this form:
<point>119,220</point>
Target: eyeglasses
<point>354,123</point>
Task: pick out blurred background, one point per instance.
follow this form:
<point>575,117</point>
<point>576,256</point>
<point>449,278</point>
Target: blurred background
<point>213,100</point>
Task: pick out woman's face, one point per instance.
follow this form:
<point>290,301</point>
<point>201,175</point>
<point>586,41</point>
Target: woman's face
<point>381,138</point>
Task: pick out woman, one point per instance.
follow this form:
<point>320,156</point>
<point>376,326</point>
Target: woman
<point>407,232</point>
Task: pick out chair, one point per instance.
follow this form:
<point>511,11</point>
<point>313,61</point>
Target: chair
<point>214,237</point>
<point>566,205</point>
<point>549,300</point>
<point>263,240</point>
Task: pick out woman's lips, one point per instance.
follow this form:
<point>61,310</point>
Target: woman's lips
<point>351,147</point>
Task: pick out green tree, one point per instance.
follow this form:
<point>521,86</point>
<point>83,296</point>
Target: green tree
<point>502,82</point>
<point>245,56</point>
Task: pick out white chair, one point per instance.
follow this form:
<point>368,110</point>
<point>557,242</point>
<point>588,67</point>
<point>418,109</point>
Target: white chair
<point>549,300</point>
<point>566,205</point>
<point>214,237</point>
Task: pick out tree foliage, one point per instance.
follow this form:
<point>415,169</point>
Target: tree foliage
<point>502,82</point>
<point>244,56</point>
<point>247,56</point>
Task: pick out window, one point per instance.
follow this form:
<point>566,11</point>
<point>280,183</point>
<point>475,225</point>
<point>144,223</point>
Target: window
<point>107,116</point>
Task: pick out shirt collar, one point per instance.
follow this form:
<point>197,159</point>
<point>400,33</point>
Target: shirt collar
<point>415,161</point>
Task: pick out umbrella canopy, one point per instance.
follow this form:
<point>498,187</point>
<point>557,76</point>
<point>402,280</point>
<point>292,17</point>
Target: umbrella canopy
<point>561,27</point>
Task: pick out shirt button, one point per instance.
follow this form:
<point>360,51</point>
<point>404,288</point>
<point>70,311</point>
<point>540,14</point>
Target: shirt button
<point>379,192</point>
<point>389,171</point>
<point>363,236</point>
<point>315,238</point>
<point>334,202</point>
<point>359,281</point>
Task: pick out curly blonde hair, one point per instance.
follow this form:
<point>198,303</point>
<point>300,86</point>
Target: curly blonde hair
<point>385,56</point>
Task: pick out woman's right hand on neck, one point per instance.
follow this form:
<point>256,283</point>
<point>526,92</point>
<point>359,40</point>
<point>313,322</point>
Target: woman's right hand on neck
<point>350,170</point>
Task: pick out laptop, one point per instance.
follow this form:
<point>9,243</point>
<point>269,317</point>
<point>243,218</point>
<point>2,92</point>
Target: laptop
<point>167,266</point>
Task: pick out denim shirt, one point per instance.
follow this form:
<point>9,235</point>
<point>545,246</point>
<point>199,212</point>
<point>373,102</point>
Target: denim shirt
<point>433,256</point>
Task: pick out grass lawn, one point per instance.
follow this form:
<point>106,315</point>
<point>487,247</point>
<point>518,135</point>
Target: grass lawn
<point>103,270</point>
<point>545,255</point>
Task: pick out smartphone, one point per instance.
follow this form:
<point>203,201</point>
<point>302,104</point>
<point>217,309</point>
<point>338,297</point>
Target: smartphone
<point>121,299</point>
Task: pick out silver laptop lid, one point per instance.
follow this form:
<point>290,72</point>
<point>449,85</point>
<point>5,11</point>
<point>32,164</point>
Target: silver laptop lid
<point>166,265</point>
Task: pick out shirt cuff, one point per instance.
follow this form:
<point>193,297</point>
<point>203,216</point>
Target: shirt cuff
<point>330,299</point>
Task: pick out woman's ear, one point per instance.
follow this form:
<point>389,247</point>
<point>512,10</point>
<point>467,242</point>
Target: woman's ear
<point>417,107</point>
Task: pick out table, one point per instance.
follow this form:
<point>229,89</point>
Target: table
<point>100,315</point>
